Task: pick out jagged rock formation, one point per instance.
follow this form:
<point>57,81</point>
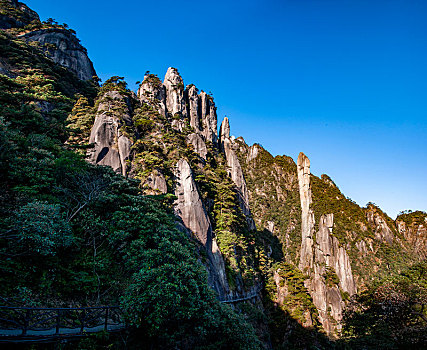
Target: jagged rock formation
<point>307,215</point>
<point>413,227</point>
<point>323,260</point>
<point>382,231</point>
<point>189,206</point>
<point>111,146</point>
<point>152,92</point>
<point>15,14</point>
<point>194,107</point>
<point>198,144</point>
<point>156,182</point>
<point>65,49</point>
<point>235,170</point>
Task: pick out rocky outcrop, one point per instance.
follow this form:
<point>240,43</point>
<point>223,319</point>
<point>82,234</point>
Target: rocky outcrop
<point>235,171</point>
<point>110,146</point>
<point>307,215</point>
<point>194,107</point>
<point>413,227</point>
<point>15,14</point>
<point>153,92</point>
<point>64,48</point>
<point>209,118</point>
<point>175,104</point>
<point>377,220</point>
<point>156,183</point>
<point>325,261</point>
<point>198,144</point>
<point>189,206</point>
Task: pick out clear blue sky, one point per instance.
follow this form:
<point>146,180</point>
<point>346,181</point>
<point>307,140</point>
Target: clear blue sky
<point>343,81</point>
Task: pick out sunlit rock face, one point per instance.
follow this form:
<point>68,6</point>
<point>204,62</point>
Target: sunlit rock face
<point>307,215</point>
<point>235,170</point>
<point>325,261</point>
<point>110,146</point>
<point>64,49</point>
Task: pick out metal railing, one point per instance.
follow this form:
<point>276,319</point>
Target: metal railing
<point>54,322</point>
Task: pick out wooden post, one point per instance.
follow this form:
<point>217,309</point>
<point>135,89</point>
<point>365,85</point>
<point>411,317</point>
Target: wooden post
<point>106,319</point>
<point>82,320</point>
<point>26,321</point>
<point>58,321</point>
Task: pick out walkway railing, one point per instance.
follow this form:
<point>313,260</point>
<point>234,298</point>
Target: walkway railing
<point>58,322</point>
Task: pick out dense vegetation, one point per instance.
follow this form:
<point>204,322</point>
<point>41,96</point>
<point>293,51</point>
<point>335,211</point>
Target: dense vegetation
<point>77,234</point>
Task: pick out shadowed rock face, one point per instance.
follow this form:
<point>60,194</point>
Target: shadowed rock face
<point>111,147</point>
<point>307,215</point>
<point>64,49</point>
<point>235,170</point>
<point>22,15</point>
<point>157,183</point>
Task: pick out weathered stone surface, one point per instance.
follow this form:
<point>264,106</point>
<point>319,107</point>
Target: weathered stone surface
<point>189,205</point>
<point>198,144</point>
<point>209,118</point>
<point>157,183</point>
<point>194,107</point>
<point>111,147</point>
<point>307,215</point>
<point>235,171</point>
<point>253,153</point>
<point>415,233</point>
<point>64,49</point>
<point>174,85</point>
<point>152,92</point>
<point>382,231</point>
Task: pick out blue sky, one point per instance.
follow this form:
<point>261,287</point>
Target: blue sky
<point>343,81</point>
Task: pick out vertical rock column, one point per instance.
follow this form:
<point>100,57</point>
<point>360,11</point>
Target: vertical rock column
<point>189,207</point>
<point>235,171</point>
<point>152,92</point>
<point>307,215</point>
<point>175,103</point>
<point>111,146</point>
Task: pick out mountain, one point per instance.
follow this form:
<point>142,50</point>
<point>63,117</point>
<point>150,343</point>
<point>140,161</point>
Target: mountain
<point>111,196</point>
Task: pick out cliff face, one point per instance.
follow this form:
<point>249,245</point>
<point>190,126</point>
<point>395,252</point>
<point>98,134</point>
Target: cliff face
<point>235,170</point>
<point>303,220</point>
<point>65,49</point>
<point>307,215</point>
<point>15,14</point>
<point>111,146</point>
<point>413,227</point>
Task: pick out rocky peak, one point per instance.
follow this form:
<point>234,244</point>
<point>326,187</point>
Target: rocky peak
<point>65,49</point>
<point>192,96</point>
<point>153,92</point>
<point>209,118</point>
<point>307,215</point>
<point>110,146</point>
<point>15,14</point>
<point>224,130</point>
<point>175,103</point>
<point>382,225</point>
<point>227,145</point>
